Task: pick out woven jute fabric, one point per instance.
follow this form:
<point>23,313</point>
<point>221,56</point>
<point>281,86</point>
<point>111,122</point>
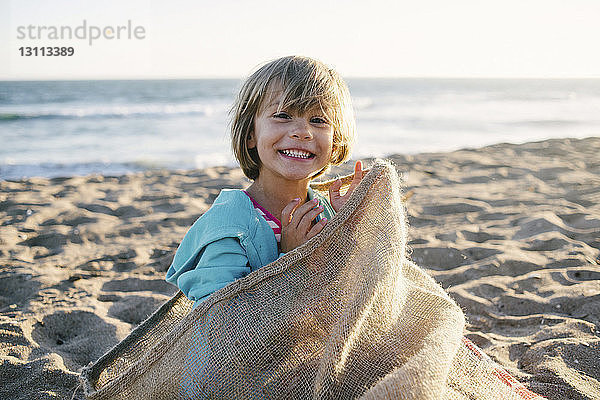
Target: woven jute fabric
<point>344,316</point>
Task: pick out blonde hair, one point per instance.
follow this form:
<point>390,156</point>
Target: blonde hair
<point>305,83</point>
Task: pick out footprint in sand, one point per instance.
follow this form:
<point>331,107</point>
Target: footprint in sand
<point>438,258</point>
<point>419,222</point>
<point>580,221</point>
<point>534,226</point>
<point>456,208</point>
<point>162,259</point>
<point>551,174</point>
<point>17,288</point>
<point>96,208</point>
<point>566,263</point>
<point>179,221</point>
<point>135,309</point>
<point>584,275</point>
<point>517,267</point>
<point>479,253</point>
<point>168,207</point>
<point>41,378</point>
<point>68,334</point>
<point>48,240</point>
<point>546,245</point>
<point>498,216</point>
<point>140,285</point>
<point>480,237</point>
<point>550,358</point>
<point>130,212</point>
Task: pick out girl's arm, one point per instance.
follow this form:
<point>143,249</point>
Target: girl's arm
<point>221,262</point>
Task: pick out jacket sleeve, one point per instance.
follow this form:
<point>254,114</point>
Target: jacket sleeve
<point>219,263</point>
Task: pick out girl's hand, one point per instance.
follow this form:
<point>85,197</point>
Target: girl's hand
<point>336,199</point>
<point>296,223</point>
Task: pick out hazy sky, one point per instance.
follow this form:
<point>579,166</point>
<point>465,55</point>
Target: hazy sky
<point>229,38</point>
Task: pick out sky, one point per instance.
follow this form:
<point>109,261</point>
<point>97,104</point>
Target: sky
<point>375,38</point>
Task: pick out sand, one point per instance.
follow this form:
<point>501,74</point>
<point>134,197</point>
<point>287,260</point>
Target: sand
<point>512,232</point>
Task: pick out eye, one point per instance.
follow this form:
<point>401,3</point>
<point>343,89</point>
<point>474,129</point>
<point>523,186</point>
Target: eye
<point>319,120</point>
<point>282,115</point>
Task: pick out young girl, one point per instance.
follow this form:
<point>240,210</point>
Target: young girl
<point>292,119</point>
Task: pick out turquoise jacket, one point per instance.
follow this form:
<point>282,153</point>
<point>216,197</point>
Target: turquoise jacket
<point>226,243</point>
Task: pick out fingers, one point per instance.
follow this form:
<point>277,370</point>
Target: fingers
<point>358,168</point>
<point>294,212</point>
<point>334,189</point>
<point>358,175</point>
<point>336,186</point>
<point>358,172</point>
<point>307,219</point>
<point>288,211</point>
<point>297,221</point>
<point>301,212</point>
<point>318,227</point>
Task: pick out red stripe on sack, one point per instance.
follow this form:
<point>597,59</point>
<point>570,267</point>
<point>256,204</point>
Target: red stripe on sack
<point>503,375</point>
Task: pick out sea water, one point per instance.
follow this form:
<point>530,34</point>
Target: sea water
<point>64,128</point>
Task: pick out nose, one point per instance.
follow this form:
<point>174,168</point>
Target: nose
<point>301,130</point>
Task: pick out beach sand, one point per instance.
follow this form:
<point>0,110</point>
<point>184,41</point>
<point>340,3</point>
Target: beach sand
<point>512,231</point>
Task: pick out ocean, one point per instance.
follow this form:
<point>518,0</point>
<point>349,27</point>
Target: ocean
<point>65,128</point>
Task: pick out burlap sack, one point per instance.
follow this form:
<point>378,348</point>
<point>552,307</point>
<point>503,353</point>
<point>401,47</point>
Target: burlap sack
<point>344,316</point>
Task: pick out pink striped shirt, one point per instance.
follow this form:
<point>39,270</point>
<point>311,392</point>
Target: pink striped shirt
<point>271,220</point>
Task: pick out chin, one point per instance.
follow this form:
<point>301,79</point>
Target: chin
<point>300,176</point>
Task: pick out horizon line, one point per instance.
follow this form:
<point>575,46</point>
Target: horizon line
<point>433,77</point>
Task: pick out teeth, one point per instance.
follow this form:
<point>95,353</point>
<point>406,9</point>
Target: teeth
<point>296,153</point>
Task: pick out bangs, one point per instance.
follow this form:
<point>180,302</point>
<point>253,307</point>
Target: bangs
<point>306,92</point>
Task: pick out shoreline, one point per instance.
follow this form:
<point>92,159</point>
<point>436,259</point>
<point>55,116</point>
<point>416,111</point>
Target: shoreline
<point>512,231</point>
<point>117,169</point>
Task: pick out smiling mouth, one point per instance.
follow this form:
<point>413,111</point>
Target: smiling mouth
<point>304,155</point>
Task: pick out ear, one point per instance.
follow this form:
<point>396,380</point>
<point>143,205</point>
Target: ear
<point>251,141</point>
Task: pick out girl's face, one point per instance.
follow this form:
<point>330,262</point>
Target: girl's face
<point>291,146</point>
